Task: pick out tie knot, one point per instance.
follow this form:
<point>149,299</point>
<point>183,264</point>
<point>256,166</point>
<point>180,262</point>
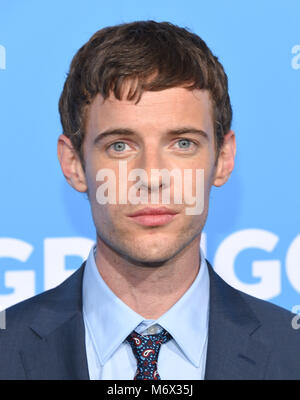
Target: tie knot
<point>136,340</point>
<point>146,349</point>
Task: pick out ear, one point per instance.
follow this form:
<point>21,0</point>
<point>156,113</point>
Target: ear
<point>70,164</point>
<point>225,163</point>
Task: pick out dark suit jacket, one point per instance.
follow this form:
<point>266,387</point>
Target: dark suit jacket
<point>248,338</point>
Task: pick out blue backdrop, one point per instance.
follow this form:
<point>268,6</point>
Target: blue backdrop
<point>252,235</point>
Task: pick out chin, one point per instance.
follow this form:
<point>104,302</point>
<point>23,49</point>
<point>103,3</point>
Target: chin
<point>148,261</point>
<point>151,254</point>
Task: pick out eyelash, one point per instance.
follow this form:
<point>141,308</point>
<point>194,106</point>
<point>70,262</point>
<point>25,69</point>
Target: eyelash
<point>121,141</point>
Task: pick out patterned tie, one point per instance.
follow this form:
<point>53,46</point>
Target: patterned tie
<point>146,349</point>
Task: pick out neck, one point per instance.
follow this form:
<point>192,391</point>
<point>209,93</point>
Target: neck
<point>149,291</point>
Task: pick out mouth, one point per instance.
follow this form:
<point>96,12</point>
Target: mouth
<point>153,216</point>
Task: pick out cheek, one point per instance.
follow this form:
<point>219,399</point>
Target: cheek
<point>107,221</point>
<point>198,181</point>
<point>90,174</point>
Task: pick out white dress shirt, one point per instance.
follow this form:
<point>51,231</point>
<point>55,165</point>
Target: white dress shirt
<point>108,321</point>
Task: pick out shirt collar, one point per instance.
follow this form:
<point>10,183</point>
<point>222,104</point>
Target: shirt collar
<point>109,320</point>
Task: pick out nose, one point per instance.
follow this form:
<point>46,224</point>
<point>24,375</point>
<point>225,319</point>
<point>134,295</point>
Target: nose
<point>154,164</point>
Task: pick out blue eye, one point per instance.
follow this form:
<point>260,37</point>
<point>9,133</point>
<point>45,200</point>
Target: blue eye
<point>185,143</point>
<point>119,146</point>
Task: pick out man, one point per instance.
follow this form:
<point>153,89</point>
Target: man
<point>142,97</point>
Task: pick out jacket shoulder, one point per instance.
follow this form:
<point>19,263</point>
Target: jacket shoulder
<point>66,294</point>
<point>263,310</point>
<point>267,310</point>
<point>33,319</point>
<point>276,326</point>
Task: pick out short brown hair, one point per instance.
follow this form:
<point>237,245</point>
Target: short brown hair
<point>156,55</point>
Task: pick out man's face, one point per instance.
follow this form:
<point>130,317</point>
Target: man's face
<point>151,145</point>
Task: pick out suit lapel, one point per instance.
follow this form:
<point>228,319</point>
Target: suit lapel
<point>233,352</point>
<point>55,344</point>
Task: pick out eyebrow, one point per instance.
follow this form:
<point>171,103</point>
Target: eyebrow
<point>130,132</point>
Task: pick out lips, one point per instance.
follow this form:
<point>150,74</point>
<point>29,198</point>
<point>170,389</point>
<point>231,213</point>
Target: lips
<point>153,211</point>
<point>150,216</point>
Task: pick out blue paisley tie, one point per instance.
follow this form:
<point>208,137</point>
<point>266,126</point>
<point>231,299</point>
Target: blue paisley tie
<point>146,349</point>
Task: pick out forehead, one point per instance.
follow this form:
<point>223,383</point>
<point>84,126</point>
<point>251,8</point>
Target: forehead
<point>163,109</point>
